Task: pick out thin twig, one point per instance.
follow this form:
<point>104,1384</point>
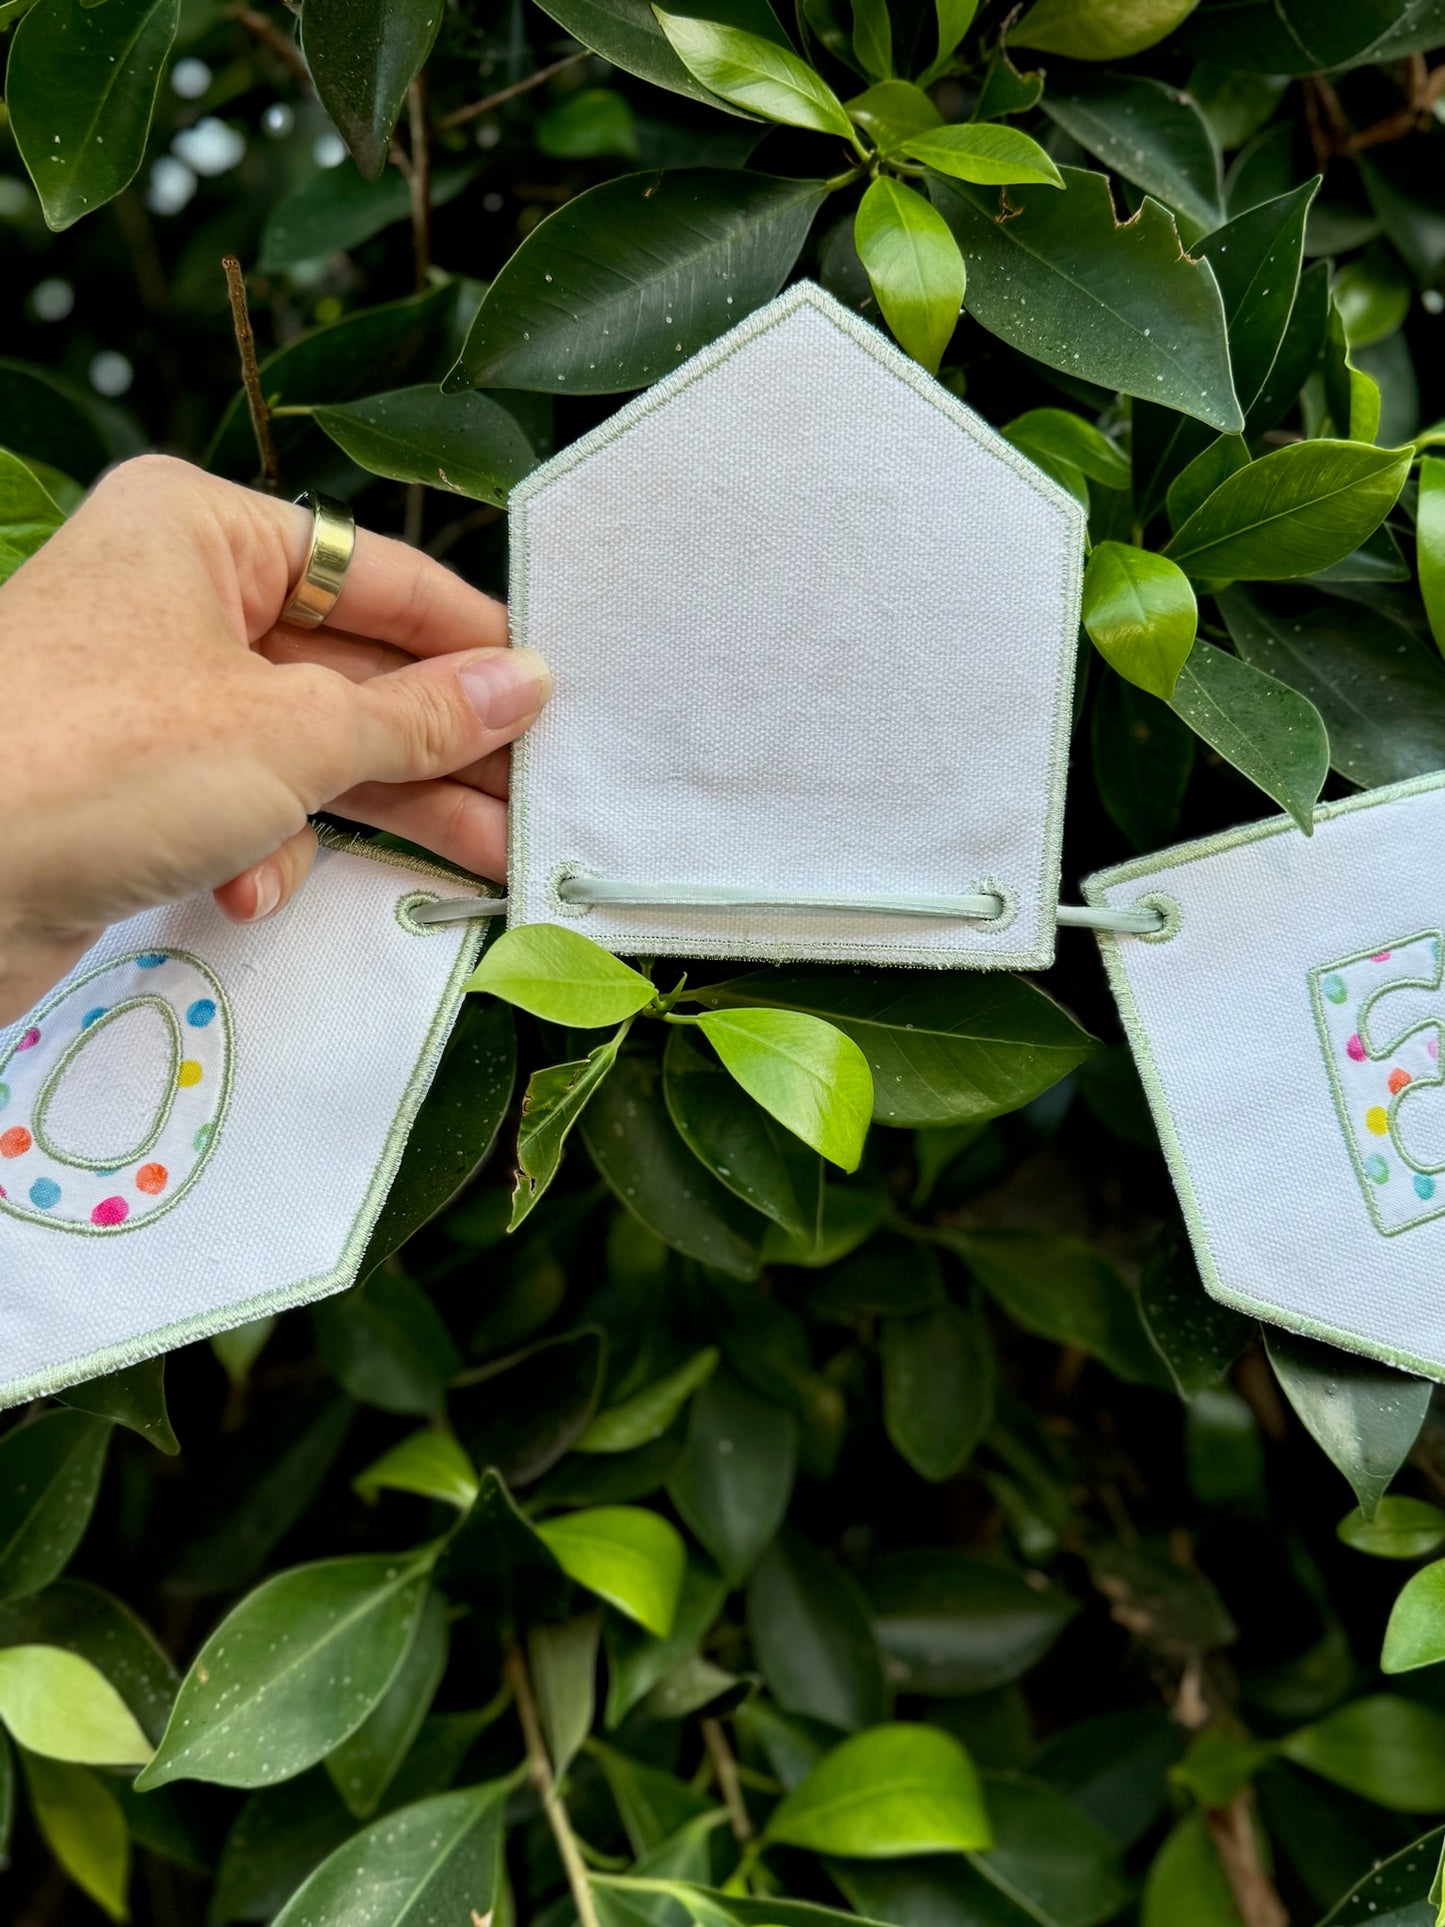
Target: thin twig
<point>419,181</point>
<point>414,514</point>
<point>459,116</point>
<point>539,1771</point>
<point>1231,1829</point>
<point>266,32</point>
<point>251,374</point>
<point>721,1754</point>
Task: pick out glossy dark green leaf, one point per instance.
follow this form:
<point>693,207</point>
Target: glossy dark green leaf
<point>1364,1416</point>
<point>734,1480</point>
<point>1122,306</point>
<point>1196,1336</point>
<point>636,1147</point>
<point>888,1278</point>
<point>927,1890</point>
<point>80,1618</point>
<point>563,1663</point>
<point>467,444</point>
<point>363,55</point>
<point>49,1476</point>
<point>1150,133</point>
<point>292,1671</point>
<point>1202,475</point>
<point>630,278</point>
<point>1396,1892</point>
<point>366,1762</point>
<point>943,1050</point>
<point>1387,1749</point>
<point>387,1345</point>
<point>522,1413</point>
<point>714,1907</point>
<point>53,421</point>
<point>81,87</point>
<point>279,1837</point>
<point>1224,1451</point>
<point>938,1386</point>
<point>1303,36</point>
<point>1400,1529</point>
<point>134,1397</point>
<point>1142,758</point>
<point>893,1790</point>
<point>554,1100</point>
<point>1113,1769</point>
<point>337,208</point>
<point>810,1634</point>
<point>652,1805</point>
<point>1268,731</point>
<point>751,1153</point>
<point>1049,1859</point>
<point>952,1624</point>
<point>637,1660</point>
<point>496,1560</point>
<point>1063,1289</point>
<point>627,33</point>
<point>1104,30</point>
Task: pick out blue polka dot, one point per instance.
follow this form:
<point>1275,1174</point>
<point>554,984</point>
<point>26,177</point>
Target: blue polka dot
<point>91,1016</point>
<point>44,1194</point>
<point>150,959</point>
<point>201,1012</point>
<point>1377,1171</point>
<point>110,1173</point>
<point>1424,1187</point>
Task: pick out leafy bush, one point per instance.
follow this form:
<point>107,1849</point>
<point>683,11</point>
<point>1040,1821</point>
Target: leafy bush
<point>772,1525</point>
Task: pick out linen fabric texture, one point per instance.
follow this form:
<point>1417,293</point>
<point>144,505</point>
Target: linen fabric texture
<point>200,1124</point>
<point>1288,1025</point>
<point>812,628</point>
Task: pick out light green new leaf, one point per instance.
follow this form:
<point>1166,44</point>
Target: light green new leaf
<point>81,88</point>
<point>1400,1529</point>
<point>1364,1416</point>
<point>1059,434</point>
<point>1415,1635</point>
<point>914,266</point>
<point>436,1861</point>
<point>1141,615</point>
<point>1099,29</point>
<point>1269,732</point>
<point>648,1413</point>
<point>804,1072</point>
<point>555,1098</point>
<point>29,516</point>
<point>628,1556</point>
<point>56,1703</point>
<point>1186,1885</point>
<point>594,123</point>
<point>81,1822</point>
<point>466,443</point>
<point>1430,546</point>
<point>756,74</point>
<point>428,1462</point>
<point>955,17</point>
<point>291,1671</point>
<point>362,58</point>
<point>49,1475</point>
<point>873,38</point>
<point>892,111</point>
<point>1293,512</point>
<point>986,152</point>
<point>562,976</point>
<point>1386,1749</point>
<point>626,33</point>
<point>888,1792</point>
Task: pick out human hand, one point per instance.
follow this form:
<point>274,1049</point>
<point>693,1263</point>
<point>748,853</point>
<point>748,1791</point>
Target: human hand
<point>167,737</point>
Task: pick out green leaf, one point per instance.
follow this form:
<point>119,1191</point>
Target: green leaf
<point>1141,615</point>
<point>387,1344</point>
<point>1400,1529</point>
<point>1143,757</point>
<point>1066,437</point>
<point>1296,510</point>
<point>630,1557</point>
<point>595,122</point>
<point>134,1397</point>
<point>81,1619</point>
<point>1196,1336</point>
<point>891,1791</point>
<point>1303,36</point>
<point>436,1861</point>
<point>1102,30</point>
<point>648,1413</point>
<point>1187,1886</point>
<point>913,265</point>
<point>938,1386</point>
<point>81,1822</point>
<point>291,1671</point>
<point>81,88</point>
<point>873,38</point>
<point>1148,132</point>
<point>1048,1858</point>
<point>637,1661</point>
<point>950,1623</point>
<point>1058,277</point>
<point>733,1483</point>
<point>1415,1635</point>
<point>563,1664</point>
<point>955,17</point>
<point>1430,546</point>
<point>237,1350</point>
<point>985,152</point>
<point>1270,734</point>
<point>892,111</point>
<point>518,1415</point>
<point>555,1098</point>
<point>49,1475</point>
<point>755,74</point>
<point>496,1559</point>
<point>557,974</point>
<point>362,60</point>
<point>714,1907</point>
<point>636,1147</point>
<point>1200,477</point>
<point>366,1762</point>
<point>808,1624</point>
<point>1396,1892</point>
<point>1062,1289</point>
<point>337,208</point>
<point>428,1462</point>
<point>1384,1748</point>
<point>466,443</point>
<point>1364,1416</point>
<point>56,1703</point>
<point>754,1156</point>
<point>1004,89</point>
<point>28,514</point>
<point>651,1804</point>
<point>626,33</point>
<point>942,1049</point>
<point>803,1071</point>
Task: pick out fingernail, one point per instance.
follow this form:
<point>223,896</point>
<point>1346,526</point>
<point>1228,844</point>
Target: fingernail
<point>506,687</point>
<point>268,892</point>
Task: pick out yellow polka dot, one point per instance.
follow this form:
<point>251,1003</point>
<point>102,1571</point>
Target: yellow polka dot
<point>190,1073</point>
<point>1377,1119</point>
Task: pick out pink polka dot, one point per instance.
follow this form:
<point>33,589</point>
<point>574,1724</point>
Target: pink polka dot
<point>110,1211</point>
<point>1433,1046</point>
<point>29,1040</point>
<point>1381,956</point>
<point>1356,1050</point>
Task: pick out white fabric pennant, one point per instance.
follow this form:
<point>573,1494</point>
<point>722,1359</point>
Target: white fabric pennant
<point>812,626</point>
<point>201,1123</point>
<point>1288,1024</point>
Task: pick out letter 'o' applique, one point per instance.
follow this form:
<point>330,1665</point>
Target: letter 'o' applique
<point>113,1096</point>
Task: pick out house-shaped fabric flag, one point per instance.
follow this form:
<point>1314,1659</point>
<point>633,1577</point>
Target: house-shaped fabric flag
<point>812,626</point>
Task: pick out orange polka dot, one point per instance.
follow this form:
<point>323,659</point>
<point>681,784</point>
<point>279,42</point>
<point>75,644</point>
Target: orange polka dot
<point>151,1178</point>
<point>188,1074</point>
<point>15,1142</point>
<point>1398,1081</point>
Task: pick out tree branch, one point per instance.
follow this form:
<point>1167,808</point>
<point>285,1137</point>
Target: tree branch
<point>251,374</point>
<point>419,181</point>
<point>266,33</point>
<point>1231,1829</point>
<point>726,1767</point>
<point>459,116</point>
<point>539,1771</point>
